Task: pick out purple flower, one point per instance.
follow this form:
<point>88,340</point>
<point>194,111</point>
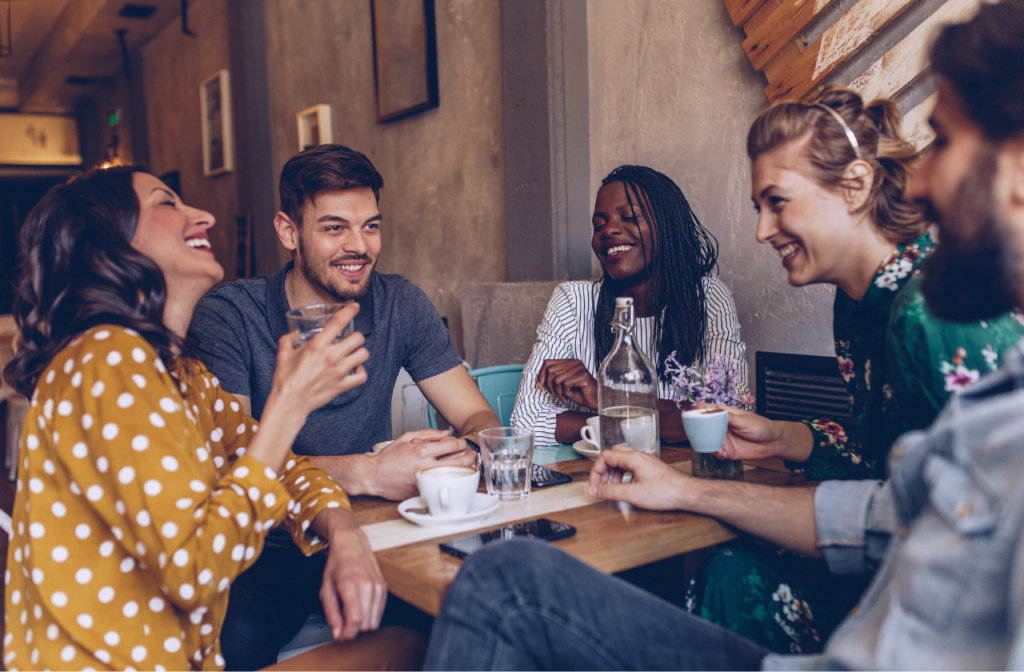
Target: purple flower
<point>717,384</point>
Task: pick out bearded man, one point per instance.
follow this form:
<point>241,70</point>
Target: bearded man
<point>330,221</point>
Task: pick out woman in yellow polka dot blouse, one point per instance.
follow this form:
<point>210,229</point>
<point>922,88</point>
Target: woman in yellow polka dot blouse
<point>143,488</point>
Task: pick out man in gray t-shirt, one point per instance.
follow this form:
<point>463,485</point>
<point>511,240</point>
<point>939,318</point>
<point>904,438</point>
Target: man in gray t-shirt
<point>331,223</point>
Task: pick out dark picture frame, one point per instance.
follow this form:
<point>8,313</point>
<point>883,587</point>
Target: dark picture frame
<point>404,57</point>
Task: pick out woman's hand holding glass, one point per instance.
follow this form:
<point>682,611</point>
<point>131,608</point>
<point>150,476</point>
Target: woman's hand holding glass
<point>306,378</point>
<point>321,369</point>
<point>754,437</point>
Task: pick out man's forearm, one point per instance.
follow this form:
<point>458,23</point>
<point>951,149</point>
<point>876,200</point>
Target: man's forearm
<point>476,422</point>
<point>784,516</point>
<point>352,472</point>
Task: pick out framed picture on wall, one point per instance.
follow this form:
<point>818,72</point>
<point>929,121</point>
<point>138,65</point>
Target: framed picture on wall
<point>218,143</point>
<point>314,127</point>
<point>404,57</point>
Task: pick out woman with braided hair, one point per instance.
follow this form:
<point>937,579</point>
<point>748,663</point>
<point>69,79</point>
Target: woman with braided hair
<point>653,249</point>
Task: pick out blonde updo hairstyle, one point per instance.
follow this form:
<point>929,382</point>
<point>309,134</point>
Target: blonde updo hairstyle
<point>830,152</point>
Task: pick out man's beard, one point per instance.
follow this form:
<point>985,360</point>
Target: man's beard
<point>975,273</point>
<point>319,274</point>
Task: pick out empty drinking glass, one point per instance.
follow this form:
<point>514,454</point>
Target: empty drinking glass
<point>308,321</point>
<point>507,454</point>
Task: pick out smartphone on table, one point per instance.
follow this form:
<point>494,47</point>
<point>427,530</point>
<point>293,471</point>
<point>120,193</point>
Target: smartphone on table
<point>542,477</point>
<point>541,528</point>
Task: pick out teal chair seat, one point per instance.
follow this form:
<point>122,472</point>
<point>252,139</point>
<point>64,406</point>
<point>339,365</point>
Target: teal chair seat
<point>499,385</point>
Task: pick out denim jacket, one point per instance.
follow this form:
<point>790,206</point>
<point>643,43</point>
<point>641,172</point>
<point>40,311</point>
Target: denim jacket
<point>944,533</point>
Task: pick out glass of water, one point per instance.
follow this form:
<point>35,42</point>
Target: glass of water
<point>308,321</point>
<point>507,455</point>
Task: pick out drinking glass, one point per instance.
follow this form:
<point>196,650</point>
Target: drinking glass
<point>507,455</point>
<point>308,321</point>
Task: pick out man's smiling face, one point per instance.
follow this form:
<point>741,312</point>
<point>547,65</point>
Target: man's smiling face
<point>338,241</point>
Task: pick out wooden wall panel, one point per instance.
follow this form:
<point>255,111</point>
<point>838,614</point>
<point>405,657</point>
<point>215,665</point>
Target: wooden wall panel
<point>784,24</point>
<point>902,64</point>
<point>841,41</point>
<point>740,11</point>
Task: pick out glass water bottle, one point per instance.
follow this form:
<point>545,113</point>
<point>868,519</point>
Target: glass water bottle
<point>627,389</point>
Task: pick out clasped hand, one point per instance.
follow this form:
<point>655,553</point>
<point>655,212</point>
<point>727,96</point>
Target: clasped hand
<point>570,381</point>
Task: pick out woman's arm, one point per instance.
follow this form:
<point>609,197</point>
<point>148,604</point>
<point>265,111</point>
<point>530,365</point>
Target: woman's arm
<point>535,406</point>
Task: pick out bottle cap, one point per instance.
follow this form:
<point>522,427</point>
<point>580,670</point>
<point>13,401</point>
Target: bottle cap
<point>623,301</point>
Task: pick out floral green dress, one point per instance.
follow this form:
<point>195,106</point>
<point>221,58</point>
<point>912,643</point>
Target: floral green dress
<point>900,364</point>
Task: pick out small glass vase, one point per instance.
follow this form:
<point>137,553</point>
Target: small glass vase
<point>706,465</point>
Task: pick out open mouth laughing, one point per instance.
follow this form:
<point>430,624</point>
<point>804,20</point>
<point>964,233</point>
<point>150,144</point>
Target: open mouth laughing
<point>613,253</point>
<point>199,241</point>
<point>788,253</point>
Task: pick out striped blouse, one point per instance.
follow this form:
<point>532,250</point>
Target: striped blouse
<point>567,332</point>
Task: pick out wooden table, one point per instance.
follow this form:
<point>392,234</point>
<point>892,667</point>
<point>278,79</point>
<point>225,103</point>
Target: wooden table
<point>420,573</point>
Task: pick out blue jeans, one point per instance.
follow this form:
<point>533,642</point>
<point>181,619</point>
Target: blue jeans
<point>525,605</point>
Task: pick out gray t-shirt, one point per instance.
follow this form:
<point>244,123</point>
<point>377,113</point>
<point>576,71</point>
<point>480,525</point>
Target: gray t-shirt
<point>238,325</point>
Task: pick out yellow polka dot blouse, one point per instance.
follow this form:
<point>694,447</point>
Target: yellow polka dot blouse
<point>136,508</point>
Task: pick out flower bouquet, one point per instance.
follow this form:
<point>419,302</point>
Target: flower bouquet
<point>719,383</point>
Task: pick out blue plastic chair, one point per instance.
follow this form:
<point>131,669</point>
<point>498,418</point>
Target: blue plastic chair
<point>499,385</point>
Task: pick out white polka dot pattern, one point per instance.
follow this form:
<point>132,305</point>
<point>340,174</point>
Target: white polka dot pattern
<point>190,510</point>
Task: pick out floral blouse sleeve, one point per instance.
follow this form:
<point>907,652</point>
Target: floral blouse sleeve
<point>904,386</point>
<point>932,359</point>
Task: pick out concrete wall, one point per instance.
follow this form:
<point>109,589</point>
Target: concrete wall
<point>443,201</point>
<point>173,66</point>
<point>500,321</point>
<point>671,88</point>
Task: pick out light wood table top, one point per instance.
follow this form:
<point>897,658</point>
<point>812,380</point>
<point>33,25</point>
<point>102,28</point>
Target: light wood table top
<point>420,573</point>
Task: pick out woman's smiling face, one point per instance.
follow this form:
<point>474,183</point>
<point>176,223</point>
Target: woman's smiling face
<point>618,230</point>
<point>809,225</point>
<point>173,234</point>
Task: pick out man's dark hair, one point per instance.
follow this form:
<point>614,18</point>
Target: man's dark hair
<point>984,61</point>
<point>324,168</point>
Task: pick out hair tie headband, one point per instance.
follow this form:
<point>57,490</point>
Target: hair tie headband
<point>846,128</point>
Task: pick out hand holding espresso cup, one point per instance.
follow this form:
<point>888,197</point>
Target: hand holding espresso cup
<point>749,436</point>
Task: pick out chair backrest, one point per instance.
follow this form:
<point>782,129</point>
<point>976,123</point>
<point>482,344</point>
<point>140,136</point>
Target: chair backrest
<point>499,385</point>
<point>794,387</point>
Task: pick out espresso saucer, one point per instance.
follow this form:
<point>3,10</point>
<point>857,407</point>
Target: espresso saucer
<point>483,505</point>
<point>586,449</point>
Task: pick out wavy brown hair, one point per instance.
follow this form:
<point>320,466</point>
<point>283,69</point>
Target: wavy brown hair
<point>877,128</point>
<point>78,270</point>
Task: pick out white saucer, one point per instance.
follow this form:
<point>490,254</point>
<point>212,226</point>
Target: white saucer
<point>483,506</point>
<point>586,449</point>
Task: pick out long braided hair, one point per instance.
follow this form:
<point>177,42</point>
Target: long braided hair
<point>684,253</point>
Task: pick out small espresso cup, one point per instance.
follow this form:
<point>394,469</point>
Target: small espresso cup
<point>706,428</point>
<point>591,430</point>
<point>448,491</point>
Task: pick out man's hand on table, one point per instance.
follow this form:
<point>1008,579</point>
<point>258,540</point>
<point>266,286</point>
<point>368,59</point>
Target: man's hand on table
<point>392,471</point>
<point>655,485</point>
<point>353,591</point>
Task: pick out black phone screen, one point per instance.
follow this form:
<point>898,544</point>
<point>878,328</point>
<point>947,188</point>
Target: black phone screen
<point>541,528</point>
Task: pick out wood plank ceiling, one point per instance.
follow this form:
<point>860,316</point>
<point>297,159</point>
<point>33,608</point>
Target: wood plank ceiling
<point>776,45</point>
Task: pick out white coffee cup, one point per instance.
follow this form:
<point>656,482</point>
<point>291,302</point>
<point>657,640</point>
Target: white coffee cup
<point>639,432</point>
<point>591,430</point>
<point>448,491</point>
<point>706,428</point>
